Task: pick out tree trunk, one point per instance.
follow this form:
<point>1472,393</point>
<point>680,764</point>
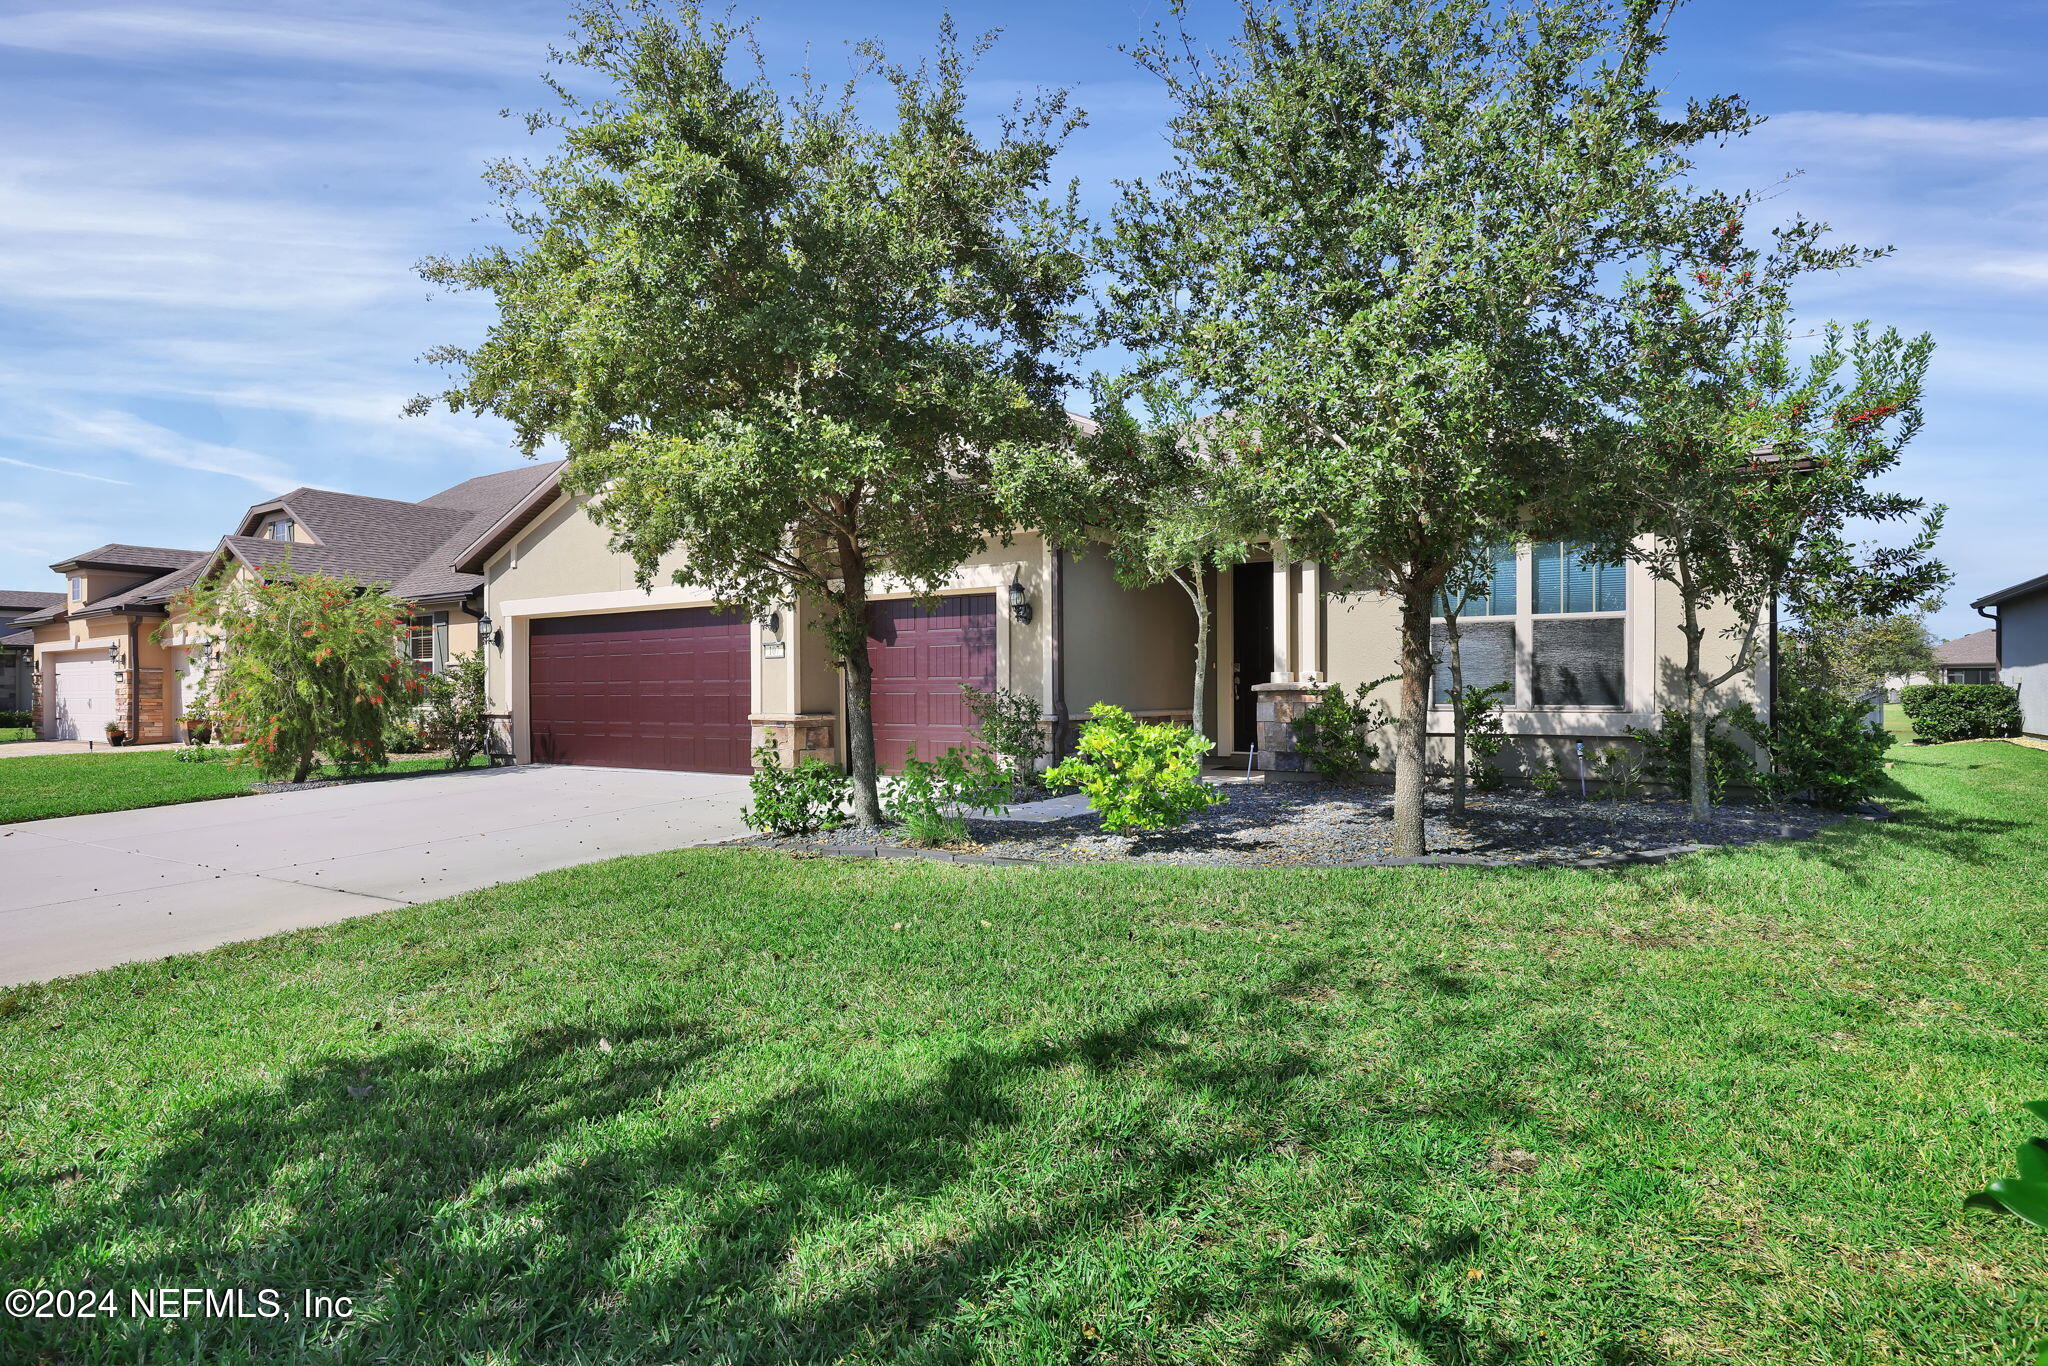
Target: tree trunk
<point>1695,708</point>
<point>1411,735</point>
<point>303,769</point>
<point>860,700</point>
<point>1193,587</point>
<point>1457,712</point>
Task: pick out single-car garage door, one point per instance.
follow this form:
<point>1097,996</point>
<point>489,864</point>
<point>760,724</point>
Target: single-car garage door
<point>666,689</point>
<point>82,696</point>
<point>921,660</point>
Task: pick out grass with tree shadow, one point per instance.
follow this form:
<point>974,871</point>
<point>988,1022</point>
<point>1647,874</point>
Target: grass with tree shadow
<point>737,1107</point>
<point>11,734</point>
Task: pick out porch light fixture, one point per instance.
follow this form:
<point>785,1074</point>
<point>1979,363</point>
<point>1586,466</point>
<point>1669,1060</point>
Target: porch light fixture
<point>486,631</point>
<point>1020,606</point>
<point>771,623</point>
<point>113,652</point>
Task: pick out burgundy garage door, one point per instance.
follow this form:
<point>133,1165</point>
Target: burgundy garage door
<point>921,659</point>
<point>665,689</point>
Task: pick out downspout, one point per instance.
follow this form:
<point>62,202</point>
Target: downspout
<point>1997,637</point>
<point>1056,634</point>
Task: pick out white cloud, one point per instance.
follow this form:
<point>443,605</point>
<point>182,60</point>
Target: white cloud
<point>1866,135</point>
<point>112,431</point>
<point>1890,62</point>
<point>154,32</point>
<point>52,469</point>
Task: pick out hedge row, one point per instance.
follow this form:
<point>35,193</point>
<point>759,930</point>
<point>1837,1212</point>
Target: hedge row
<point>11,719</point>
<point>1962,711</point>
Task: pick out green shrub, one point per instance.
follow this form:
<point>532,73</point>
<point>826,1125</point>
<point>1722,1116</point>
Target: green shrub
<point>1962,711</point>
<point>1824,746</point>
<point>1619,774</point>
<point>928,831</point>
<point>15,720</point>
<point>1549,779</point>
<point>1667,751</point>
<point>1332,733</point>
<point>1007,724</point>
<point>795,801</point>
<point>456,713</point>
<point>926,790</point>
<point>1137,777</point>
<point>1485,736</point>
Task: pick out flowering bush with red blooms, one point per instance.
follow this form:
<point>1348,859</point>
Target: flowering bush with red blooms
<point>310,666</point>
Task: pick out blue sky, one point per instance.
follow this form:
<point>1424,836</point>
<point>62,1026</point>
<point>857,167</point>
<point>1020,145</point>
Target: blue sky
<point>209,215</point>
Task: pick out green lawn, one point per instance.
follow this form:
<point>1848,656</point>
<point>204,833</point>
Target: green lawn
<point>724,1106</point>
<point>39,787</point>
<point>9,734</point>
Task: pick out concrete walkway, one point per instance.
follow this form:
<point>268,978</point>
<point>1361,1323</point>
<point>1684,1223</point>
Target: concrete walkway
<point>87,892</point>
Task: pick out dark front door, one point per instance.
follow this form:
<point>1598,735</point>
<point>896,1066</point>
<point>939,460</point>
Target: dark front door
<point>667,689</point>
<point>921,660</point>
<point>1251,645</point>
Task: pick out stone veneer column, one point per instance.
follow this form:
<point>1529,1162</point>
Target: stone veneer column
<point>799,736</point>
<point>1280,705</point>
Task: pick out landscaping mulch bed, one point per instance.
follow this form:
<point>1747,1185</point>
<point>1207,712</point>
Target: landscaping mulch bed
<point>1306,824</point>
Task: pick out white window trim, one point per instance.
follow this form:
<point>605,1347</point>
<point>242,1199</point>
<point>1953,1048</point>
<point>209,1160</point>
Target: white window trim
<point>1638,663</point>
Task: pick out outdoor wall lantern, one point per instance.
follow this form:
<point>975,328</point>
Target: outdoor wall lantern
<point>114,652</point>
<point>486,631</point>
<point>1020,606</point>
<point>772,623</point>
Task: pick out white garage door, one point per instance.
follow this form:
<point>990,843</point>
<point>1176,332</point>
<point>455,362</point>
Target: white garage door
<point>83,692</point>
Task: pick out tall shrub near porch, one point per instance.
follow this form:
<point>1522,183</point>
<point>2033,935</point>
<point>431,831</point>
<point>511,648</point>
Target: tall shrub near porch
<point>774,338</point>
<point>309,666</point>
<point>1382,256</point>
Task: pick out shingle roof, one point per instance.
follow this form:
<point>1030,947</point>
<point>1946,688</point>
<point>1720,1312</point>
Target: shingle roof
<point>1977,650</point>
<point>12,598</point>
<point>38,618</point>
<point>152,592</point>
<point>119,556</point>
<point>19,640</point>
<point>487,499</point>
<point>2018,590</point>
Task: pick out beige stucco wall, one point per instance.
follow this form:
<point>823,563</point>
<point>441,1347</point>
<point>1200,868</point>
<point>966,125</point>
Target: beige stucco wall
<point>1362,641</point>
<point>1132,649</point>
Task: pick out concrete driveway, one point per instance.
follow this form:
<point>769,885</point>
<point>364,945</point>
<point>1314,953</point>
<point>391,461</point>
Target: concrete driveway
<point>87,892</point>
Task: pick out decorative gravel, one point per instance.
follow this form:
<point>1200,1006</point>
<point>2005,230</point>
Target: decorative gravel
<point>1310,824</point>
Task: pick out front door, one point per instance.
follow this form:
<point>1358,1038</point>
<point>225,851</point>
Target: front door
<point>1251,646</point>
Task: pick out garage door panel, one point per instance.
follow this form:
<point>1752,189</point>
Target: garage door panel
<point>921,660</point>
<point>662,689</point>
<point>82,696</point>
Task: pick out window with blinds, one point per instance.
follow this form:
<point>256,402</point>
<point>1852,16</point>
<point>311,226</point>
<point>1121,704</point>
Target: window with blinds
<point>1551,621</point>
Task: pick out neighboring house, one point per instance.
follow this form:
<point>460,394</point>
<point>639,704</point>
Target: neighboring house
<point>17,647</point>
<point>97,660</point>
<point>1968,659</point>
<point>2021,647</point>
<point>119,625</point>
<point>595,670</point>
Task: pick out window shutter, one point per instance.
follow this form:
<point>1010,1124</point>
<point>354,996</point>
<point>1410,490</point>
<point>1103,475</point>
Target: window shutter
<point>440,641</point>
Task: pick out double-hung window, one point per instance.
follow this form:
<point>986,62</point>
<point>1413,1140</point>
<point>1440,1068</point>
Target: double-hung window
<point>1552,622</point>
<point>420,645</point>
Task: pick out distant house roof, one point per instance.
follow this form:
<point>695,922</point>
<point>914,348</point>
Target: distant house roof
<point>1977,650</point>
<point>2018,590</point>
<point>20,599</point>
<point>118,556</point>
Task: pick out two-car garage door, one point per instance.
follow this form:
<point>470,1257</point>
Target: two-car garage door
<point>670,689</point>
<point>667,689</point>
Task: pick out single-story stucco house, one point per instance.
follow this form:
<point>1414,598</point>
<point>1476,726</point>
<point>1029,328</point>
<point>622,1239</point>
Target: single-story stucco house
<point>2020,647</point>
<point>589,668</point>
<point>1968,659</point>
<point>112,649</point>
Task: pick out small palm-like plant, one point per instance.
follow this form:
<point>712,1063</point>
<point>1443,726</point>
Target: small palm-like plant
<point>2027,1193</point>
